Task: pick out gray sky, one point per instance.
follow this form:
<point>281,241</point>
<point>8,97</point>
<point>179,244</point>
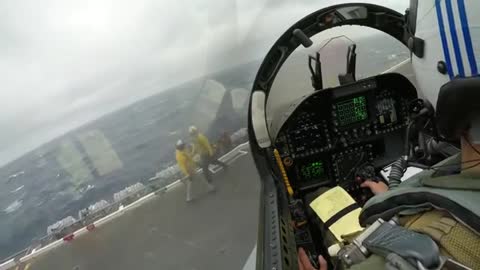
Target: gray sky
<point>64,62</point>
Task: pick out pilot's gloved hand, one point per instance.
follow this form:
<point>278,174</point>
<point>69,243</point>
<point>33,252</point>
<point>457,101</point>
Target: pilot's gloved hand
<point>305,264</point>
<point>375,187</point>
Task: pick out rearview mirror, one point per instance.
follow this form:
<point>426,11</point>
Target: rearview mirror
<point>353,12</point>
<point>342,14</point>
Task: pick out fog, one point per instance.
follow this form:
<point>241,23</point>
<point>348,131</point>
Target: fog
<point>64,63</point>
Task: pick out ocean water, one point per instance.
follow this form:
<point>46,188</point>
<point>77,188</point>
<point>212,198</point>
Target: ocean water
<point>109,154</point>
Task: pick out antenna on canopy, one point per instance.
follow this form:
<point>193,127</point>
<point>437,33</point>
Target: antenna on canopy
<point>316,71</point>
<point>349,76</point>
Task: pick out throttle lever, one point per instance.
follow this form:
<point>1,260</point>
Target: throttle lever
<point>363,174</point>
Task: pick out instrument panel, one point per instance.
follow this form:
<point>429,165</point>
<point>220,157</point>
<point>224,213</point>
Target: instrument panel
<point>334,132</point>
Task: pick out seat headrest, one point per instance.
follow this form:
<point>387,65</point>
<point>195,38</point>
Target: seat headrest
<point>457,105</point>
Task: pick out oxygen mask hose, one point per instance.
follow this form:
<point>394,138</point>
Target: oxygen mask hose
<point>283,172</point>
<point>396,173</point>
<point>400,165</point>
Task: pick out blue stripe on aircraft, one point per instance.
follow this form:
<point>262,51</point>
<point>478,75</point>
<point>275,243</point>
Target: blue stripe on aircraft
<point>443,37</point>
<point>453,33</point>
<point>467,37</point>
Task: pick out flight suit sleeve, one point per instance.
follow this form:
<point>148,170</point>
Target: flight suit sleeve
<point>374,262</point>
<point>202,139</point>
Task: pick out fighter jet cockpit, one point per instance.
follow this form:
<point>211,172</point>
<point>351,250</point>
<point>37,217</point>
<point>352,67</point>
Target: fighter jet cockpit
<point>336,103</point>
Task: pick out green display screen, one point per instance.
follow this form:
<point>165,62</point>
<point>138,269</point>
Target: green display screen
<point>351,111</point>
<point>312,170</point>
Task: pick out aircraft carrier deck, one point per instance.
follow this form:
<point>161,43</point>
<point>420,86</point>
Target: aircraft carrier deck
<point>214,231</point>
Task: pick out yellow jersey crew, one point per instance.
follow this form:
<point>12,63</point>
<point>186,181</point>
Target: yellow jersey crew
<point>188,168</point>
<point>204,149</point>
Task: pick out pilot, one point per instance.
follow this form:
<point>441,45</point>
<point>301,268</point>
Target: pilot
<point>187,166</point>
<point>440,205</point>
<point>204,149</point>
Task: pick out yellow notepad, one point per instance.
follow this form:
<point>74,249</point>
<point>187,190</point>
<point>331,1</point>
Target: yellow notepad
<point>332,202</point>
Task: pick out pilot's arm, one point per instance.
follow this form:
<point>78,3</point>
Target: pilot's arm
<point>375,187</point>
<point>303,261</point>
